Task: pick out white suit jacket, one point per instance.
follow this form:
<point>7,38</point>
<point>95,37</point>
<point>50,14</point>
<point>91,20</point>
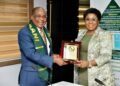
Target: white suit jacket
<point>100,50</point>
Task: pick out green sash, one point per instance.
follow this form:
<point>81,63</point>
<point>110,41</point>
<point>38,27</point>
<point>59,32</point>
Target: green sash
<point>41,48</point>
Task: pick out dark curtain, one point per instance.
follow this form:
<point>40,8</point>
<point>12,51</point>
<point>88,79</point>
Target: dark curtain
<point>64,27</point>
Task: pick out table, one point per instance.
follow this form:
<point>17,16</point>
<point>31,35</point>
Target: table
<point>64,83</point>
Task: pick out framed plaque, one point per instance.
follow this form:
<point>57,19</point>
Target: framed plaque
<point>70,50</point>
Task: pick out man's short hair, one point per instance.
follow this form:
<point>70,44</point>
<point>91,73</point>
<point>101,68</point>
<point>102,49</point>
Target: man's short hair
<point>37,8</point>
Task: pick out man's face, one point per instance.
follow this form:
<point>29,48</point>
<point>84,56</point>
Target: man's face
<point>39,18</point>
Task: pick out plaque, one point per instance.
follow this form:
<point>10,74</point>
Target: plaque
<point>70,50</point>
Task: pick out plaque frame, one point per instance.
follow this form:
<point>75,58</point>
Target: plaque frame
<point>76,44</point>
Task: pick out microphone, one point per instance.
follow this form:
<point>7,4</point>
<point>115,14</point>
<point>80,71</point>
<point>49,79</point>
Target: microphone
<point>99,82</point>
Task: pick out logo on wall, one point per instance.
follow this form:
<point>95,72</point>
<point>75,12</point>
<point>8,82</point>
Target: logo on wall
<point>111,17</point>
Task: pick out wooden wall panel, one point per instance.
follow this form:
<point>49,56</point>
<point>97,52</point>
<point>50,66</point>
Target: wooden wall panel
<point>14,14</point>
<point>84,5</point>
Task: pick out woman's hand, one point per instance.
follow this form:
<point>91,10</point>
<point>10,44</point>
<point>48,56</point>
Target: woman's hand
<point>82,63</point>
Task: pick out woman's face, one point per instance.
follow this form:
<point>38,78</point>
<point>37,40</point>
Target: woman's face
<point>91,21</point>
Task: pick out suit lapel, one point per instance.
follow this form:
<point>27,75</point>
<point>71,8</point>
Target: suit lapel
<point>92,41</point>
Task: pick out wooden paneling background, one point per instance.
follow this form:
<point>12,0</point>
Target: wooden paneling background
<point>14,14</point>
<point>83,5</point>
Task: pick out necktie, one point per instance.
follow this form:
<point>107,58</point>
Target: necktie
<point>43,36</point>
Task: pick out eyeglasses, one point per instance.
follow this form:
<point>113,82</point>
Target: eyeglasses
<point>39,16</point>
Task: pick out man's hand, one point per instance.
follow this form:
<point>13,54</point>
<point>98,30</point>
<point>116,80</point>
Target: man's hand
<point>58,60</point>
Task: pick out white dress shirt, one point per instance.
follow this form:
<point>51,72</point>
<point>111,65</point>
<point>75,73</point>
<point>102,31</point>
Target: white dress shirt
<point>48,43</point>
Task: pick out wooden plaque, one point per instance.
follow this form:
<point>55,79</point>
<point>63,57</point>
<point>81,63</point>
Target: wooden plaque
<point>70,50</point>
